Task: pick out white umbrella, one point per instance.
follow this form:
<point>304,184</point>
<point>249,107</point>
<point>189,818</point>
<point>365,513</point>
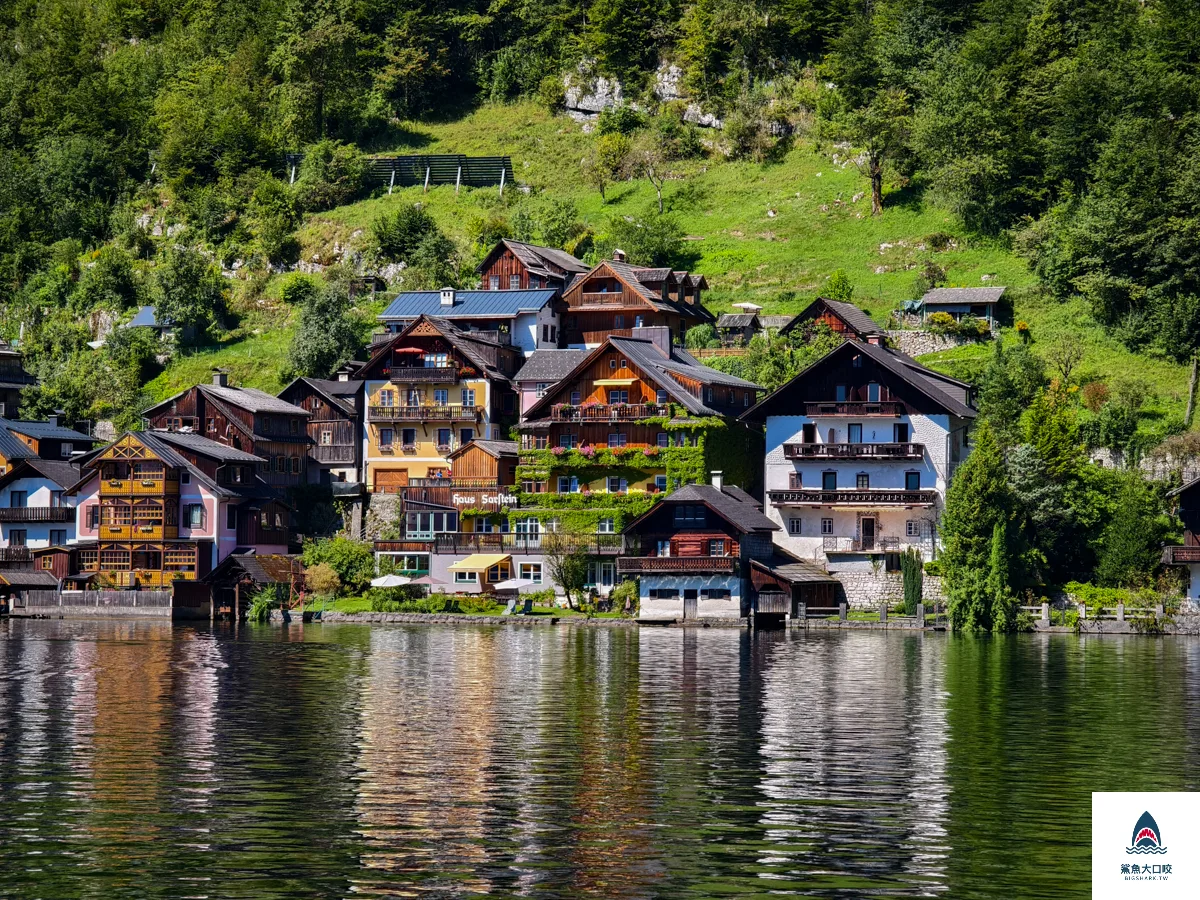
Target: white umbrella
<point>390,581</point>
<point>514,584</point>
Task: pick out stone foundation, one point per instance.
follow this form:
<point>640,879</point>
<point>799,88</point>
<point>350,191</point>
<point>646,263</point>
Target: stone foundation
<point>866,590</point>
<point>383,514</point>
<point>918,343</point>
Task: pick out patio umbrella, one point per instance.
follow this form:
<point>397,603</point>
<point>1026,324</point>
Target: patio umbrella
<point>390,581</point>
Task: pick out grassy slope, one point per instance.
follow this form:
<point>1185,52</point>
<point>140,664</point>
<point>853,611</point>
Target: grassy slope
<point>779,261</point>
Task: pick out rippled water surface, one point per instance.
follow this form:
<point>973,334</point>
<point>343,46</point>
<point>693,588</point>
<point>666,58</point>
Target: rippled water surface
<point>336,760</point>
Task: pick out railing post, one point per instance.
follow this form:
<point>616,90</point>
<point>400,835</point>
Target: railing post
<point>1082,611</point>
<point>1046,612</point>
<point>1120,612</point>
<point>1158,610</point>
<point>801,610</point>
<point>882,612</point>
<point>921,613</point>
<point>842,612</point>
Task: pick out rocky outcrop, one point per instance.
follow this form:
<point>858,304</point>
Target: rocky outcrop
<point>589,93</point>
<point>382,517</point>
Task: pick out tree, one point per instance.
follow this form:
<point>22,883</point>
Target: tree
<point>606,160</point>
<point>839,287</point>
<point>1065,354</point>
<point>881,128</point>
<point>568,563</point>
<point>188,291</point>
<point>352,561</point>
<point>999,404</point>
<point>1003,612</point>
<point>646,160</point>
<point>646,240</point>
<point>321,578</point>
<point>325,335</point>
<point>913,574</point>
<point>399,233</point>
<point>1129,545</point>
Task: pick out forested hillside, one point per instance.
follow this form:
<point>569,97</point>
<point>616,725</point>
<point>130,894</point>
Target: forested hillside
<point>1050,143</point>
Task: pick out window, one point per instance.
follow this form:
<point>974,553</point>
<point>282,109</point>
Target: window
<point>575,398</point>
<point>441,397</point>
<point>468,396</point>
<point>540,390</point>
<point>295,423</point>
<point>900,433</point>
<point>664,593</point>
<point>840,393</point>
<point>912,481</point>
<point>856,360</point>
<point>716,548</point>
<point>387,398</point>
<point>466,577</point>
<point>604,526</point>
<point>264,520</point>
<point>568,484</point>
<point>854,433</point>
<point>92,516</point>
<point>794,526</point>
<point>278,521</point>
<point>540,441</point>
<point>67,449</point>
<point>829,481</point>
<point>443,438</point>
<point>912,528</point>
<point>529,525</point>
<point>566,439</point>
<point>660,482</point>
<point>483,526</point>
<point>514,282</point>
<point>56,499</point>
<point>48,560</point>
<point>715,593</point>
<point>618,322</point>
<point>554,334</point>
<point>531,572</point>
<point>231,518</point>
<point>16,537</point>
<point>795,481</point>
<point>435,360</point>
<point>58,537</point>
<point>689,516</point>
<point>193,515</point>
<point>267,424</point>
<point>466,435</point>
<point>827,526</point>
<point>18,499</point>
<point>872,393</point>
<point>862,481</point>
<point>186,477</point>
<point>408,437</point>
<point>663,439</point>
<point>552,525</point>
<point>295,465</point>
<point>663,548</point>
<point>617,396</point>
<point>386,436</point>
<point>617,485</point>
<point>494,282</point>
<point>326,438</point>
<point>746,399</point>
<point>617,440</point>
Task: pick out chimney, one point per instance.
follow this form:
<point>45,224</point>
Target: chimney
<point>875,339</point>
<point>55,417</point>
<point>659,335</point>
<point>618,255</point>
<point>220,378</point>
<point>447,296</point>
<point>718,479</point>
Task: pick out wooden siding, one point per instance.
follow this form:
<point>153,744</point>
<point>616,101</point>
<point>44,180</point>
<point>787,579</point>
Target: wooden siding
<point>504,266</point>
<point>473,462</point>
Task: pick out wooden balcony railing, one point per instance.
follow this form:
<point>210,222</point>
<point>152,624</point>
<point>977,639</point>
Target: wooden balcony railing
<point>37,514</point>
<point>146,487</point>
<point>853,451</point>
<point>880,543</point>
<point>601,298</point>
<point>137,532</point>
<point>423,374</point>
<point>618,412</point>
<point>649,565</point>
<point>856,408</point>
<point>458,542</point>
<point>426,413</point>
<point>1174,556</point>
<point>815,497</point>
<point>333,453</point>
<point>471,484</point>
<point>15,555</point>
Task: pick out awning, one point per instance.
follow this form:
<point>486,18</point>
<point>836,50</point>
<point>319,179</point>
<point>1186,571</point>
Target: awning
<point>479,562</point>
<point>614,382</point>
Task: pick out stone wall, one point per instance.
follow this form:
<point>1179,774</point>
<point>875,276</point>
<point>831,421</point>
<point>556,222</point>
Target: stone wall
<point>383,512</point>
<point>918,343</point>
<point>866,590</point>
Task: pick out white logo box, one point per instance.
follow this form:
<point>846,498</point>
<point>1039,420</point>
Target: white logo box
<point>1144,844</point>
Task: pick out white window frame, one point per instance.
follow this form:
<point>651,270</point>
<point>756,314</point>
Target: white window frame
<point>461,577</point>
<point>827,526</point>
<point>605,526</point>
<point>530,572</point>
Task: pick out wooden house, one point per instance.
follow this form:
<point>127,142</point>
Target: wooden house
<point>842,318</point>
<point>515,265</point>
<point>13,380</point>
<point>963,303</point>
<point>430,390</point>
<point>40,440</point>
<point>334,425</point>
<point>244,419</point>
<point>613,299</point>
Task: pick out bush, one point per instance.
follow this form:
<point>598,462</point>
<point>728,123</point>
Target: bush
<point>332,174</point>
<point>933,568</point>
<point>619,120</point>
<point>322,579</point>
<point>1095,395</point>
<point>700,336</point>
<point>353,561</point>
<point>626,592</point>
<point>400,233</point>
<point>941,323</point>
<point>550,93</point>
<point>648,241</point>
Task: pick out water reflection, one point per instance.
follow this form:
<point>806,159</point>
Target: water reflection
<point>150,761</point>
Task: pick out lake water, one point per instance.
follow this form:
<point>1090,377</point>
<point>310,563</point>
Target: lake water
<point>141,760</point>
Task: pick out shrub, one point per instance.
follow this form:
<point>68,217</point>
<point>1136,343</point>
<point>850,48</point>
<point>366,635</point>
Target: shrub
<point>1095,395</point>
<point>322,579</point>
<point>1023,331</point>
<point>550,93</point>
<point>332,174</point>
<point>654,240</point>
<point>700,336</point>
<point>914,580</point>
<point>619,120</point>
<point>934,568</point>
<point>626,592</point>
<point>941,323</point>
<point>353,561</point>
<point>400,233</point>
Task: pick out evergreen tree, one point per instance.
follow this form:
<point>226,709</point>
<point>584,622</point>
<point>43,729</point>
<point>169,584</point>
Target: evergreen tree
<point>999,404</point>
<point>1003,612</point>
<point>1128,546</point>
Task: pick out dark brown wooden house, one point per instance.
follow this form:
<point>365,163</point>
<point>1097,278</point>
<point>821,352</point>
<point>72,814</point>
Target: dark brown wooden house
<point>13,380</point>
<point>245,419</point>
<point>515,265</point>
<point>845,319</point>
<point>335,423</point>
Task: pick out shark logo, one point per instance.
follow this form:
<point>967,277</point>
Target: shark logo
<point>1146,836</point>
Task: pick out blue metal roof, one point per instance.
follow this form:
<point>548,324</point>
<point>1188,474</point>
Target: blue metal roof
<point>145,318</point>
<point>470,304</point>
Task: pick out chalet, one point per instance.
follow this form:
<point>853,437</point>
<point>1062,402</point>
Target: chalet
<point>615,297</point>
<point>244,419</point>
<point>695,549</point>
<point>1187,508</point>
<point>738,329</point>
<point>40,440</point>
<point>517,266</point>
<point>542,370</point>
<point>842,318</point>
<point>35,509</point>
<point>334,425</point>
<point>154,507</point>
<point>860,447</point>
<point>13,380</point>
<point>525,320</point>
<point>430,390</point>
<point>962,303</point>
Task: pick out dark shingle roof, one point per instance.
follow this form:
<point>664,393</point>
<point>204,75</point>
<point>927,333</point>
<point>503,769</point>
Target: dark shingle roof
<point>43,430</point>
<point>794,571</point>
<point>550,365</point>
<point>470,304</point>
<point>736,320</point>
<point>252,399</point>
<point>341,394</point>
<point>955,296</point>
<point>13,448</point>
<point>858,320</point>
<point>206,447</point>
<point>732,503</point>
<point>535,257</point>
<point>60,472</point>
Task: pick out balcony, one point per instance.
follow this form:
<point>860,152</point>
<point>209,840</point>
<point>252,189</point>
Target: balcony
<point>602,298</point>
<point>650,565</point>
<point>333,453</point>
<point>458,542</point>
<point>619,412</point>
<point>1176,556</point>
<point>856,408</point>
<point>423,374</point>
<point>426,413</point>
<point>879,544</point>
<point>108,532</point>
<point>851,497</point>
<point>15,555</point>
<point>37,514</point>
<point>145,487</point>
<point>854,451</point>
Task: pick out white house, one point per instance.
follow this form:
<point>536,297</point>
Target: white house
<point>860,448</point>
<point>35,511</point>
<point>526,320</point>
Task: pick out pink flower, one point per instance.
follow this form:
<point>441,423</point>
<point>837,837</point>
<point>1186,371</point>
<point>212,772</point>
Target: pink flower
<point>651,451</point>
<point>588,452</point>
<point>558,451</point>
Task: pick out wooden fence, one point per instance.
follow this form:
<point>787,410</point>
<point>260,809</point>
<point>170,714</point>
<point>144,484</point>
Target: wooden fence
<point>79,601</point>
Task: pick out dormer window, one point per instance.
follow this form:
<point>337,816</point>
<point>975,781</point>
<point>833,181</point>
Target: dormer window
<point>873,392</point>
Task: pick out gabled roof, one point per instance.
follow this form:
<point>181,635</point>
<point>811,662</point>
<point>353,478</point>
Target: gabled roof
<point>267,568</point>
<point>792,569</point>
<point>535,258</point>
<point>64,474</point>
<point>856,320</point>
<point>468,304</point>
<point>652,276</point>
<point>45,431</point>
<point>339,394</point>
<point>468,343</point>
<point>13,448</point>
<point>961,295</point>
<point>731,503</point>
<point>145,317</point>
<point>946,392</point>
<point>657,366</point>
<point>252,399</point>
<point>205,447</point>
<point>736,320</point>
<point>495,449</point>
<point>549,365</point>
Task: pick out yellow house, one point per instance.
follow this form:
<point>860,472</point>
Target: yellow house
<point>430,390</point>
